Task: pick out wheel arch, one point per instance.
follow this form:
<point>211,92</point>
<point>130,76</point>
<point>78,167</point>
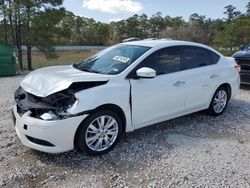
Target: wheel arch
<point>224,85</point>
<point>228,88</point>
<point>112,107</point>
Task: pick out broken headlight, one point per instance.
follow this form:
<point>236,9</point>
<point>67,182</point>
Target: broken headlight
<point>55,106</point>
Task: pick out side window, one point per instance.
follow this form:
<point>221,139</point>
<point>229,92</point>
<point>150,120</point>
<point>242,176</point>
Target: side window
<point>193,57</point>
<point>214,58</point>
<point>164,61</point>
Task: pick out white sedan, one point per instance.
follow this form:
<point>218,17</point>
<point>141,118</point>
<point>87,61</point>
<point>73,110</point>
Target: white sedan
<point>89,105</point>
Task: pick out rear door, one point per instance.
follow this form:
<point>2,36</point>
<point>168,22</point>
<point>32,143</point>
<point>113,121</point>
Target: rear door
<point>199,65</point>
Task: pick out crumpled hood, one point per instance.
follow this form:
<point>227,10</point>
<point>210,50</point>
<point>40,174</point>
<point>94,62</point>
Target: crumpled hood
<point>46,81</point>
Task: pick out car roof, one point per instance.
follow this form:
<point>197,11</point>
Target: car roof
<point>153,43</point>
<point>162,42</point>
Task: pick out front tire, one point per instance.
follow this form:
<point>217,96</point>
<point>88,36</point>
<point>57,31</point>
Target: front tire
<point>219,102</point>
<point>100,132</point>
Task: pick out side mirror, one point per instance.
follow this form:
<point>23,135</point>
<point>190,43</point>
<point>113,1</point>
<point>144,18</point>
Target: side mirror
<point>146,72</point>
<point>242,47</point>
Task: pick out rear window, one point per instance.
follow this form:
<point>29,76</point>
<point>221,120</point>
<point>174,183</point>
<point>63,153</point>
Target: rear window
<point>194,57</point>
<point>214,58</point>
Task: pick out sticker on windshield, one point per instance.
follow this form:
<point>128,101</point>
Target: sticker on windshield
<point>121,59</point>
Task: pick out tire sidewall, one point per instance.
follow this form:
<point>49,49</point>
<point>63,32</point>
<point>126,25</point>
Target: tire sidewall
<point>81,142</point>
<point>211,107</point>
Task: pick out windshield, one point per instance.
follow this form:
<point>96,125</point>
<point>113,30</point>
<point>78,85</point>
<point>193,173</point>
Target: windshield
<point>112,60</point>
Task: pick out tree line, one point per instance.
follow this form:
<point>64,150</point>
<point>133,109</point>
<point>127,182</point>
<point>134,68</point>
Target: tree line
<point>31,23</point>
<point>45,23</point>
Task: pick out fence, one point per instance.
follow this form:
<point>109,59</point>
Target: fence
<point>71,48</point>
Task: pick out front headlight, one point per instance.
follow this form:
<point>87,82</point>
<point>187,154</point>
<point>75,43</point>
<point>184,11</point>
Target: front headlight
<point>49,116</point>
<point>55,106</point>
<point>59,114</point>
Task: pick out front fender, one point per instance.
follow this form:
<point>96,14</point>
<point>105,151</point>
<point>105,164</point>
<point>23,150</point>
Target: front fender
<point>113,92</point>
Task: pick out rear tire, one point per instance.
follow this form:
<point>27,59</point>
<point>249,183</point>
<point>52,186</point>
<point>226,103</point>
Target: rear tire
<point>219,102</point>
<point>100,132</point>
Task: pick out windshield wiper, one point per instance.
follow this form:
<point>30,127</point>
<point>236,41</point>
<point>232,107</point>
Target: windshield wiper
<point>84,69</point>
<point>75,65</point>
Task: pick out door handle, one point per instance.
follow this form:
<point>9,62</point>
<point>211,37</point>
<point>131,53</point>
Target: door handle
<point>179,83</point>
<point>214,76</point>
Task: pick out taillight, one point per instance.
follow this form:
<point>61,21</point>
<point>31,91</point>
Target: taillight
<point>237,67</point>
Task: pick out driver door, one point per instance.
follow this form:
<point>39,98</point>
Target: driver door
<point>157,99</point>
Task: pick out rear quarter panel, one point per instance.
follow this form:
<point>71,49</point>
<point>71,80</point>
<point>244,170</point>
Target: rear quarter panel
<point>229,74</point>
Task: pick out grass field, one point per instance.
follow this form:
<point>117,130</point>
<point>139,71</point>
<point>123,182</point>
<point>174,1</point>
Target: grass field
<point>64,58</point>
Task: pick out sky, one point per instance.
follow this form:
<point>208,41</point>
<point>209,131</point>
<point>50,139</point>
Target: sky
<point>114,10</point>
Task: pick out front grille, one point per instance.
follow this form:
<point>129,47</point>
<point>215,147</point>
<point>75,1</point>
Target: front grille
<point>245,72</point>
<point>39,142</point>
<point>245,78</point>
<point>245,69</point>
<point>244,63</point>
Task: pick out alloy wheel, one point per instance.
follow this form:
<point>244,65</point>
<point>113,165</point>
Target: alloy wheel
<point>220,101</point>
<point>101,133</point>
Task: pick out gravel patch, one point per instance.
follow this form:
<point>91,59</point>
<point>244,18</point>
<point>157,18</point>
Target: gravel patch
<point>192,151</point>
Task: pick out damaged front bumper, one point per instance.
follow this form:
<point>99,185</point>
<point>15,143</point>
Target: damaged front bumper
<point>53,136</point>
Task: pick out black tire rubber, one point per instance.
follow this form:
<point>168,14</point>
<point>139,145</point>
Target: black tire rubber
<point>211,110</point>
<point>81,142</point>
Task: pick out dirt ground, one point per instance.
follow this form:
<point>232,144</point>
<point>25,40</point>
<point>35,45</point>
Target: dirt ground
<point>192,151</point>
